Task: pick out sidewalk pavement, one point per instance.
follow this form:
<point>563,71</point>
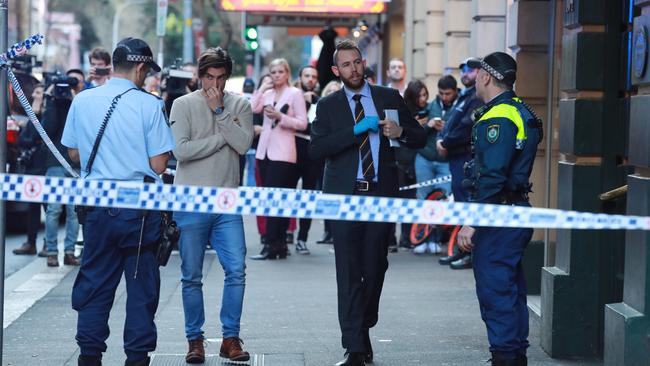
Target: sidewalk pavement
<point>429,316</point>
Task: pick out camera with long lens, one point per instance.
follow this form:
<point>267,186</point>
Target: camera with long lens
<point>25,63</point>
<point>63,84</point>
<point>174,82</point>
<point>175,79</point>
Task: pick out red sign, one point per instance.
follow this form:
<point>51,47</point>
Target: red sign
<point>32,188</point>
<point>305,6</point>
<point>226,200</point>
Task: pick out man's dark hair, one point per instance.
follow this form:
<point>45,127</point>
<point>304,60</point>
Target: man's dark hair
<point>215,57</point>
<point>345,45</point>
<point>75,71</point>
<point>100,54</point>
<point>305,68</point>
<point>447,82</point>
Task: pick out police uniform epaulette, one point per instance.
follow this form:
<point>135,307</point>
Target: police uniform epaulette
<point>146,92</point>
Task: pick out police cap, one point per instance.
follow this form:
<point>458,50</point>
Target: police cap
<point>467,61</point>
<point>499,65</point>
<point>134,50</point>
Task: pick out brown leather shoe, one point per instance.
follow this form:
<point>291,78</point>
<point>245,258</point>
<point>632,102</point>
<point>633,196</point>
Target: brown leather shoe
<point>52,261</point>
<point>70,260</point>
<point>232,350</point>
<point>43,252</point>
<point>26,248</point>
<point>196,352</point>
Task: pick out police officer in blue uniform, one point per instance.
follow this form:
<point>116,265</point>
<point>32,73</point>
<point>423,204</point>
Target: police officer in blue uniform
<point>135,143</point>
<point>504,140</point>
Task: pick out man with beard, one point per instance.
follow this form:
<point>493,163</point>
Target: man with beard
<point>352,134</point>
<point>505,137</point>
<point>455,143</point>
<point>309,170</point>
<point>396,75</point>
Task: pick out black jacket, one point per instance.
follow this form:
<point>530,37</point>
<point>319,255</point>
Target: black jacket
<point>457,134</point>
<point>333,139</point>
<point>55,114</point>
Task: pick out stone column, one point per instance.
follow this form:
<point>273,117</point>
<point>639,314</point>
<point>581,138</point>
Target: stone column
<point>488,29</point>
<point>591,143</point>
<point>456,29</point>
<point>627,323</point>
<point>527,41</point>
<point>424,41</point>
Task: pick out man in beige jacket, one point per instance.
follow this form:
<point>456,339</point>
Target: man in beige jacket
<point>212,128</point>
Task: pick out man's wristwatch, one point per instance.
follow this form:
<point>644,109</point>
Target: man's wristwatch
<point>219,110</point>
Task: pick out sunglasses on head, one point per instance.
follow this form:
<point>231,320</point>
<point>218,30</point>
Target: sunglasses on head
<point>466,69</point>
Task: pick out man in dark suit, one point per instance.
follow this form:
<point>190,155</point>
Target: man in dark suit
<point>352,134</point>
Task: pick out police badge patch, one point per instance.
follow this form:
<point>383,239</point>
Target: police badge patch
<point>492,133</point>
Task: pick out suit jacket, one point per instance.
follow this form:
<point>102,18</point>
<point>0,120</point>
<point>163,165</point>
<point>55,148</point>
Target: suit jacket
<point>333,139</point>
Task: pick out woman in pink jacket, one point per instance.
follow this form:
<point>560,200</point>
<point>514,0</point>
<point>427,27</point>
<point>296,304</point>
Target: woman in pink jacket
<point>284,113</point>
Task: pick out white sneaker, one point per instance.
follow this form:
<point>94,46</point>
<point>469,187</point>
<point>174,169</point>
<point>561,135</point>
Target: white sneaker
<point>435,248</point>
<point>421,249</point>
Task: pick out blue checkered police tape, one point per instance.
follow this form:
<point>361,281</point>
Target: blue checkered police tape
<point>297,203</point>
<point>427,183</point>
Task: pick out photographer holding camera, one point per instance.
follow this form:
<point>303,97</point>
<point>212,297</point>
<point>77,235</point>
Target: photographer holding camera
<point>58,97</point>
<point>100,67</point>
<point>119,132</point>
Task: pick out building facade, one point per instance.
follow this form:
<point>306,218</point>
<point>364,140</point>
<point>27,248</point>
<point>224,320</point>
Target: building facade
<point>582,66</point>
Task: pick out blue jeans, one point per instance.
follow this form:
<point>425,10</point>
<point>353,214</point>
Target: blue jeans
<point>429,169</point>
<point>52,215</point>
<point>226,235</point>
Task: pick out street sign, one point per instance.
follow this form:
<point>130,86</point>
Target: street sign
<point>306,6</point>
<point>161,18</point>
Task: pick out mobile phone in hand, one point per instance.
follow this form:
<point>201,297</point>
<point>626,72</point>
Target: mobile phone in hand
<point>102,71</point>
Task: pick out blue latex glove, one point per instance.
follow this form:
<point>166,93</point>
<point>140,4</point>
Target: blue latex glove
<point>367,123</point>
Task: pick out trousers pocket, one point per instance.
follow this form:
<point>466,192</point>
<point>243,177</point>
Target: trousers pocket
<point>82,290</point>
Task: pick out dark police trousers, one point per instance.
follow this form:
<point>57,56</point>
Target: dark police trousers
<point>501,287</point>
<point>361,254</point>
<point>107,233</point>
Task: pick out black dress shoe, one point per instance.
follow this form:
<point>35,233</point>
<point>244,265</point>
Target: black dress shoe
<point>83,360</point>
<point>143,362</point>
<point>445,261</point>
<point>497,361</point>
<point>326,239</point>
<point>521,360</point>
<point>463,263</point>
<point>271,252</point>
<point>369,356</point>
<point>352,359</point>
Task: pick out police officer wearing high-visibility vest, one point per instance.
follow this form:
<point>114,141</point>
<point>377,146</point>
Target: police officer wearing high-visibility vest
<point>504,141</point>
<point>119,132</point>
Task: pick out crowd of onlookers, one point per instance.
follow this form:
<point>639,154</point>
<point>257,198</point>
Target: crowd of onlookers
<point>279,156</point>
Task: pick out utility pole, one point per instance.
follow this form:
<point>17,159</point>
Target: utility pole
<point>3,158</point>
<point>161,23</point>
<point>187,32</point>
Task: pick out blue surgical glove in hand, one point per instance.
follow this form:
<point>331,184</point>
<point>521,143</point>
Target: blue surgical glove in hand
<point>367,123</point>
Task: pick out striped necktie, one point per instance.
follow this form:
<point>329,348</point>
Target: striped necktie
<point>367,165</point>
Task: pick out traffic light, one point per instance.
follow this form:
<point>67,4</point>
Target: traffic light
<point>250,35</point>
